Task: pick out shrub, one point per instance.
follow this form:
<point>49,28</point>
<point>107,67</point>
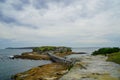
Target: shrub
<point>105,51</point>
<point>44,48</point>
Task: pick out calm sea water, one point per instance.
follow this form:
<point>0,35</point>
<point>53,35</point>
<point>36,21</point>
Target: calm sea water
<point>87,50</point>
<point>9,67</point>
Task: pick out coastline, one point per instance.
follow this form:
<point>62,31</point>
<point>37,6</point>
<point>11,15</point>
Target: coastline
<point>86,66</point>
<point>97,68</point>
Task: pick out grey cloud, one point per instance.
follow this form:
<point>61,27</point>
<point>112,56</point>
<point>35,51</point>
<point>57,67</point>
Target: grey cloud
<point>25,1</point>
<point>2,1</point>
<point>6,19</point>
<point>40,4</point>
<point>43,4</point>
<point>20,4</point>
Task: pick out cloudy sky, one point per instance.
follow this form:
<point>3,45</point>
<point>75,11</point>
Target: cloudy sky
<point>75,23</point>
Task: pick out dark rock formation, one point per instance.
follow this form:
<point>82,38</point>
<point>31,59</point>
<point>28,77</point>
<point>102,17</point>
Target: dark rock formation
<point>79,53</point>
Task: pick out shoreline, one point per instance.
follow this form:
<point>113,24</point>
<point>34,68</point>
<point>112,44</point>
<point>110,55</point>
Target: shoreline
<point>85,67</point>
<point>88,61</point>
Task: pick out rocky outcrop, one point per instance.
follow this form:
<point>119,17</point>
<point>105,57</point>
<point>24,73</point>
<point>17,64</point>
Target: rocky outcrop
<point>40,53</point>
<point>37,56</point>
<point>51,71</point>
<point>32,56</point>
<point>97,69</point>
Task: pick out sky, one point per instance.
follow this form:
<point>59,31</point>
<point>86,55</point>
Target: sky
<point>74,23</point>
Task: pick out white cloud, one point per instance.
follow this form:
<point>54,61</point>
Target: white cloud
<point>82,21</point>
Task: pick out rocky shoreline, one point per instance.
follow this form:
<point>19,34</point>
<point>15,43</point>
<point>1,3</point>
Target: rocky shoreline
<point>96,68</point>
<point>40,53</point>
<point>37,56</point>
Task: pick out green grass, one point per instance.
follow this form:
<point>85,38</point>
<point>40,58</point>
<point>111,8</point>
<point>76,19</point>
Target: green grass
<point>114,57</point>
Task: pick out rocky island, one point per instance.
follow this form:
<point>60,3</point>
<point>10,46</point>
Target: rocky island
<point>40,53</point>
<point>85,67</point>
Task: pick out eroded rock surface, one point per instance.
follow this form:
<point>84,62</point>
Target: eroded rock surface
<point>97,69</point>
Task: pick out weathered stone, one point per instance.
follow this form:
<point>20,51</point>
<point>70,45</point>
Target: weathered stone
<point>45,72</point>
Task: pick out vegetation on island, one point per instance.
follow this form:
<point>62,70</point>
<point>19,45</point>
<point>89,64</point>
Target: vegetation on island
<point>112,53</point>
<point>52,48</point>
<point>44,48</point>
<point>40,53</point>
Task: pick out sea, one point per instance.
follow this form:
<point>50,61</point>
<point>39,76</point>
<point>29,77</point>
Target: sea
<point>10,67</point>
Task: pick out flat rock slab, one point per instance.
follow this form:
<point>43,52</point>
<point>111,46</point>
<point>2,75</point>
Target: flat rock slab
<point>97,69</point>
<point>33,57</point>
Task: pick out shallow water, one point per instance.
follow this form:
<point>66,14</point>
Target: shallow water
<point>87,50</point>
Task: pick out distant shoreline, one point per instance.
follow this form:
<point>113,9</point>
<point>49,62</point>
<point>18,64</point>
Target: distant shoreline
<point>20,48</point>
<point>35,47</point>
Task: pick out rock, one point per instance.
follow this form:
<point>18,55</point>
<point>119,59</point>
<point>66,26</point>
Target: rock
<point>50,78</point>
<point>79,53</point>
<point>33,56</point>
<point>51,71</point>
<point>40,53</point>
<point>11,57</point>
<point>97,69</point>
<point>62,72</point>
<point>37,56</point>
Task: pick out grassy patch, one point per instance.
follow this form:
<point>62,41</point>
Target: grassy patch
<point>114,57</point>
